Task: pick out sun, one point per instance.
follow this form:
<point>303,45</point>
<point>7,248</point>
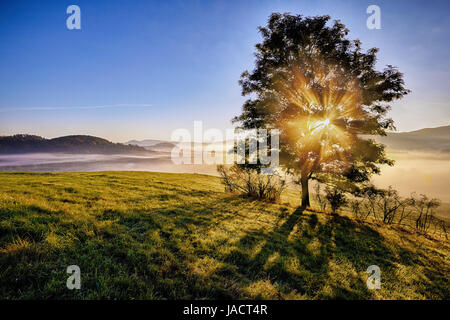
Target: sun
<point>321,113</point>
<point>317,126</point>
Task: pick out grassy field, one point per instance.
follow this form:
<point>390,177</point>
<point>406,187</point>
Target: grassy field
<point>139,235</point>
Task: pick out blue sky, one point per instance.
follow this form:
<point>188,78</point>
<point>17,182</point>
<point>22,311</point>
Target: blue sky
<point>141,69</point>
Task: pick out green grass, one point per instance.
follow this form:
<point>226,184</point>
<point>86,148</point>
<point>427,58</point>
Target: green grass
<point>139,235</point>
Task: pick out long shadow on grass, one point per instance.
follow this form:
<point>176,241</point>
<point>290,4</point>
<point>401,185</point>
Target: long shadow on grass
<point>296,257</point>
<point>156,246</point>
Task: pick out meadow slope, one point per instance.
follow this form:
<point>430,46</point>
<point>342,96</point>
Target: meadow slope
<point>149,235</point>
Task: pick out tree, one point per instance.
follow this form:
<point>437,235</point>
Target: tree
<point>322,92</point>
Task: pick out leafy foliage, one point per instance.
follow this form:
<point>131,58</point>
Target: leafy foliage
<point>322,92</point>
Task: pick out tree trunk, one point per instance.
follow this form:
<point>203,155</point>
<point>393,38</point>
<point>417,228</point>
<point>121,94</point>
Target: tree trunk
<point>305,190</point>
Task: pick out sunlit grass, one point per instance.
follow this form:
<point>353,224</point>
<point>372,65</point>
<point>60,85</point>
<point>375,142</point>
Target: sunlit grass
<point>179,236</point>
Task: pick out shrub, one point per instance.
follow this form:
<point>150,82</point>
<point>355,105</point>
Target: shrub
<point>425,211</point>
<point>387,206</point>
<point>391,205</point>
<point>405,211</point>
<point>336,198</point>
<point>370,195</point>
<point>251,183</point>
<point>440,225</point>
<point>357,209</point>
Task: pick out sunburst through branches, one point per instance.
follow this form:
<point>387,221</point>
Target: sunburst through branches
<point>320,117</point>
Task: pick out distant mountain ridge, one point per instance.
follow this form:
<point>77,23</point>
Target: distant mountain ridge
<point>145,143</point>
<point>427,139</point>
<point>80,144</point>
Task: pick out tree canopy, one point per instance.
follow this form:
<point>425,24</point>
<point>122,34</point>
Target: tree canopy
<point>325,96</point>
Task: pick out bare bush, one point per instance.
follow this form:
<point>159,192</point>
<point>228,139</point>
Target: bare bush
<point>424,207</point>
<point>440,226</point>
<point>386,205</point>
<point>406,211</point>
<point>370,199</point>
<point>393,208</point>
<point>336,198</point>
<point>251,183</point>
<point>357,208</point>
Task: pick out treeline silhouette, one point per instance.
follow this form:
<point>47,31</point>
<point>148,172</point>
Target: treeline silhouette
<point>83,144</point>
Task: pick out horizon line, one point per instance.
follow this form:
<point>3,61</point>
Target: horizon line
<point>168,140</point>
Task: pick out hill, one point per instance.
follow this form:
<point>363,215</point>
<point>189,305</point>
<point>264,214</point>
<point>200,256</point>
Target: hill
<point>145,143</point>
<point>80,144</point>
<point>163,146</point>
<point>428,139</point>
<point>180,236</point>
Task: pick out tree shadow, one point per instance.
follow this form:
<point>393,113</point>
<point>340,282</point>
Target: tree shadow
<point>296,256</point>
<point>301,254</point>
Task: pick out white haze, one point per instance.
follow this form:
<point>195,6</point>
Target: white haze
<point>427,173</point>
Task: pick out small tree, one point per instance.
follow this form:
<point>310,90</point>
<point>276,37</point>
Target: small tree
<point>336,198</point>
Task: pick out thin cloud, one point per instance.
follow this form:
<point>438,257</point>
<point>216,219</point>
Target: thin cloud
<point>107,106</point>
